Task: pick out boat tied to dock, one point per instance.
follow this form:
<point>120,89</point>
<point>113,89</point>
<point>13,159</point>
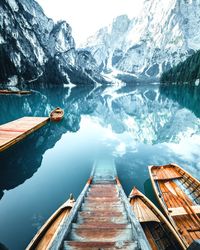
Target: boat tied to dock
<point>178,193</point>
<point>15,92</point>
<point>101,217</point>
<point>158,230</point>
<point>46,233</point>
<point>57,114</point>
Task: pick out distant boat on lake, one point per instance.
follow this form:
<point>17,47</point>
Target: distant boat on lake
<point>57,114</point>
<point>14,92</point>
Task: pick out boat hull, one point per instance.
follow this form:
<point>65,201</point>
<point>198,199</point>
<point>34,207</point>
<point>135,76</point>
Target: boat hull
<point>154,223</point>
<point>57,115</point>
<point>49,230</point>
<point>178,193</point>
<point>15,92</point>
<point>101,217</point>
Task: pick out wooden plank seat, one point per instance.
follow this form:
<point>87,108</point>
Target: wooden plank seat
<point>176,211</point>
<point>166,174</point>
<point>180,199</point>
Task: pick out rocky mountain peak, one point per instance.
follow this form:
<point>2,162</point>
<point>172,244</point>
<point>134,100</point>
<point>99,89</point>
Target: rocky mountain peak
<point>164,33</point>
<point>34,48</point>
<point>60,39</point>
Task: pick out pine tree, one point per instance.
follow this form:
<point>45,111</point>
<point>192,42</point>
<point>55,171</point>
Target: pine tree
<point>187,71</point>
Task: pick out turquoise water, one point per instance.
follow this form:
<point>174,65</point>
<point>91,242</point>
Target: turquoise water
<point>135,125</point>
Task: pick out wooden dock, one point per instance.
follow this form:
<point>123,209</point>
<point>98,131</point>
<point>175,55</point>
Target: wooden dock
<point>15,131</point>
<point>100,219</point>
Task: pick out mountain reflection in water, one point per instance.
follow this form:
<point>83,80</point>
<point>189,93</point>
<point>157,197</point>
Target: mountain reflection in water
<point>137,125</point>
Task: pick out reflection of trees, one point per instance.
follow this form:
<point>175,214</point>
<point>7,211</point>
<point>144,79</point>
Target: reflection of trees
<point>40,102</point>
<point>3,247</point>
<point>185,94</point>
<point>152,118</point>
<point>21,161</point>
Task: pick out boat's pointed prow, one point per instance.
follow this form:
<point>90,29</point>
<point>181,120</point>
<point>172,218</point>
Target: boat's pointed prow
<point>57,114</point>
<point>134,192</point>
<point>154,223</point>
<point>70,201</point>
<point>48,231</point>
<point>101,218</point>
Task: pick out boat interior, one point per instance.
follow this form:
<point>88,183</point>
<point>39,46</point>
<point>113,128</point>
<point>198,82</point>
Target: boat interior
<point>155,229</point>
<point>180,194</point>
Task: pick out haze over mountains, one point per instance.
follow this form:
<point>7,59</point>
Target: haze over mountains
<point>164,33</point>
<point>33,48</point>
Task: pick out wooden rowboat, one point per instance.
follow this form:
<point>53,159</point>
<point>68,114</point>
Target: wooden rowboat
<point>57,114</point>
<point>101,218</point>
<point>14,92</point>
<point>159,232</point>
<point>179,195</point>
<point>48,231</point>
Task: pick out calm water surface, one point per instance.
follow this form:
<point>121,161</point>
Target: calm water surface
<point>136,125</point>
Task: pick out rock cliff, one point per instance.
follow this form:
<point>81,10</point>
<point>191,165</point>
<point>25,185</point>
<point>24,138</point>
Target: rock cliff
<point>34,48</point>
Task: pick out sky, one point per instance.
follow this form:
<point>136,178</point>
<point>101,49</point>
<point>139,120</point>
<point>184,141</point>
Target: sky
<point>87,16</point>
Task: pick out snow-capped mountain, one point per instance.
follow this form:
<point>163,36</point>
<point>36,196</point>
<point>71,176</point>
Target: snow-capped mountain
<point>34,48</point>
<point>164,33</point>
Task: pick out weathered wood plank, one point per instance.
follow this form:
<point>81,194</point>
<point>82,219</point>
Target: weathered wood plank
<point>177,193</point>
<point>15,131</point>
<point>175,211</point>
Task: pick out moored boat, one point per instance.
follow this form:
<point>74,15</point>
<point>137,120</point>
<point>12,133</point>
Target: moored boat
<point>57,114</point>
<point>160,234</point>
<point>178,193</point>
<point>101,218</point>
<point>48,231</point>
<point>14,92</point>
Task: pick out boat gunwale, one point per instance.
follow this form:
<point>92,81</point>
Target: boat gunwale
<point>142,240</point>
<point>158,214</point>
<point>57,240</point>
<point>174,165</point>
<point>41,232</point>
<point>60,114</point>
<point>160,197</point>
<point>15,92</point>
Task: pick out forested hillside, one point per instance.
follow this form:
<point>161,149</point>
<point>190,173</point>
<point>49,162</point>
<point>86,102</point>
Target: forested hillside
<point>187,71</point>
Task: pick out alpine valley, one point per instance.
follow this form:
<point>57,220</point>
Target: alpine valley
<point>129,97</point>
<point>33,48</point>
<point>162,35</point>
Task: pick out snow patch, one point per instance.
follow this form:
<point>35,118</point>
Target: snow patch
<point>61,42</point>
<point>162,34</point>
<point>2,41</point>
<point>13,80</point>
<point>197,82</point>
<point>69,85</point>
<point>13,5</point>
<point>16,59</point>
<point>38,51</point>
<point>35,79</point>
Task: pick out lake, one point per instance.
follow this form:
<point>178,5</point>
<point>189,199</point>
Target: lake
<point>137,125</point>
